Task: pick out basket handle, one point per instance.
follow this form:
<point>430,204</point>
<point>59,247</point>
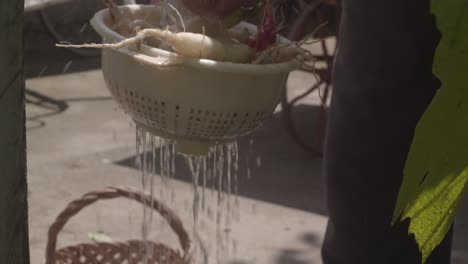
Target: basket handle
<point>110,193</point>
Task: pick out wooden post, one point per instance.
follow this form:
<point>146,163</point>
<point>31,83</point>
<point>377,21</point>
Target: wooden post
<point>14,244</point>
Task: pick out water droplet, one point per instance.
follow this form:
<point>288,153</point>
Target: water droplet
<point>67,67</point>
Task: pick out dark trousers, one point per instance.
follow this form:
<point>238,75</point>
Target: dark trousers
<point>383,83</point>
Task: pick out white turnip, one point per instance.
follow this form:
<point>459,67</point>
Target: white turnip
<point>187,44</point>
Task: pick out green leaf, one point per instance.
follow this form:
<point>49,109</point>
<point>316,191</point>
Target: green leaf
<point>99,237</point>
<point>436,171</point>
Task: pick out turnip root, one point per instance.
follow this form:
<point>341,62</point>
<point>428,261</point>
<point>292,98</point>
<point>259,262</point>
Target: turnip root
<point>121,23</point>
<point>187,44</point>
<point>206,38</point>
<point>128,27</point>
<point>283,53</point>
<point>209,26</point>
<point>241,36</point>
<point>289,51</point>
<point>167,8</point>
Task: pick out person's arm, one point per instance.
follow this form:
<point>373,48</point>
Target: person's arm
<point>382,84</point>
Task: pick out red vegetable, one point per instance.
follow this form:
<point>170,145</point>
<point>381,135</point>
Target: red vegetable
<point>266,35</point>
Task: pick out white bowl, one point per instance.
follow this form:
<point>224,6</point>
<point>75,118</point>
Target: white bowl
<point>196,102</point>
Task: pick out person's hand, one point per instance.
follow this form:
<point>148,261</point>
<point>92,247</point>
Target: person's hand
<point>219,8</point>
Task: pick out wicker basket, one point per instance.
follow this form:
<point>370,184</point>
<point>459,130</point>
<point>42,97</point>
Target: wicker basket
<point>130,252</point>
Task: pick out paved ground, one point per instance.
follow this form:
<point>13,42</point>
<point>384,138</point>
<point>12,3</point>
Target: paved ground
<point>78,141</point>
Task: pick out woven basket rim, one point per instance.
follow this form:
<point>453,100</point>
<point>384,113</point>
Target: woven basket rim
<point>52,254</point>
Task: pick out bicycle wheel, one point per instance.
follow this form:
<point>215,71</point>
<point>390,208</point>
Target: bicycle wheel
<point>69,22</point>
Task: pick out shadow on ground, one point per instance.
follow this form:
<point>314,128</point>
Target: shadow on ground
<point>294,256</point>
<point>50,106</point>
<point>281,172</point>
<point>311,241</point>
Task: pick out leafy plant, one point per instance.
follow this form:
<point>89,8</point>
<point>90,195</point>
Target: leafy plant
<point>436,171</point>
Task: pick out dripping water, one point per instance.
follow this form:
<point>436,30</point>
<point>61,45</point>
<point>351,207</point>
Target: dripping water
<point>215,191</point>
<point>141,147</point>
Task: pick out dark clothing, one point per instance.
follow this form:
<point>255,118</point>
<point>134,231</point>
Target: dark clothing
<point>383,83</point>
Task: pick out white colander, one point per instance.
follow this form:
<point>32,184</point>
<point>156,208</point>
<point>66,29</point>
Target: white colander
<point>195,102</point>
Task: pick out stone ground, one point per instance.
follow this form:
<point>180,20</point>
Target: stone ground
<point>79,141</point>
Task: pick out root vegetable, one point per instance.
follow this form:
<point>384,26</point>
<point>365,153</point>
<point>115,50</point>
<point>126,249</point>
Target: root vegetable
<point>241,36</point>
<point>283,53</point>
<point>266,35</point>
<point>121,23</point>
<point>187,44</point>
<point>209,26</point>
<point>289,51</point>
<point>126,26</point>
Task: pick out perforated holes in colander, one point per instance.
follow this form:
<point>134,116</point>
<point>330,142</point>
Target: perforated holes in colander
<point>146,109</point>
<point>196,123</point>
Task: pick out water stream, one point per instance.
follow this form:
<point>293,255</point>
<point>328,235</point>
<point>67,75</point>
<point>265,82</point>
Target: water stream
<point>215,204</point>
